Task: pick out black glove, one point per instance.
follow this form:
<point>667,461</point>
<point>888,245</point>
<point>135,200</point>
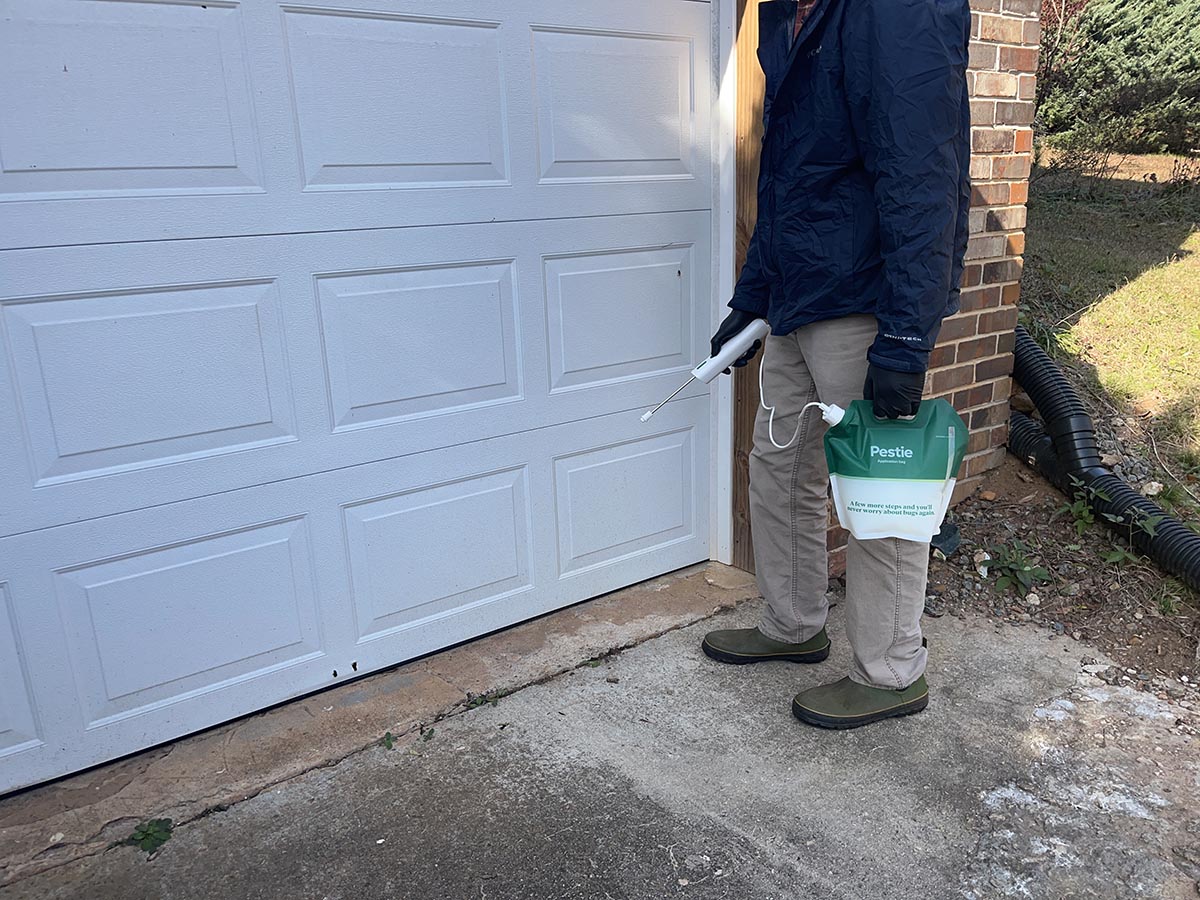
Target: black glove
<point>893,394</point>
<point>734,323</point>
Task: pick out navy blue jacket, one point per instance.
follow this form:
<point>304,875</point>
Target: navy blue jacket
<point>864,188</point>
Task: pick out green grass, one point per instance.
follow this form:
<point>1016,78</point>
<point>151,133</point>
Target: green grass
<point>1144,341</point>
<point>1112,287</point>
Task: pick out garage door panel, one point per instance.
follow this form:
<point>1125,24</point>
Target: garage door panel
<point>356,130</point>
<point>419,341</point>
<point>594,125</point>
<point>121,380</point>
<point>278,356</point>
<point>617,500</point>
<point>18,726</point>
<point>479,529</point>
<point>124,98</point>
<point>620,315</point>
<point>151,626</point>
<point>270,118</point>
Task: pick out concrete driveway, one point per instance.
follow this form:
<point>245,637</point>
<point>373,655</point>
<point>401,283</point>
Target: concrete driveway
<point>656,773</point>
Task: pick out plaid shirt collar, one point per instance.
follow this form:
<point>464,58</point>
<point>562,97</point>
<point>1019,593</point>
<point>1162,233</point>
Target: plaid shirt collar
<point>802,10</point>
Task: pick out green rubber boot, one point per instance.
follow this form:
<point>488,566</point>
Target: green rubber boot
<point>749,645</point>
<point>848,704</point>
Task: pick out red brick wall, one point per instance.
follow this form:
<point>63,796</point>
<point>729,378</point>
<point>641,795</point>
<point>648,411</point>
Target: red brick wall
<point>972,363</point>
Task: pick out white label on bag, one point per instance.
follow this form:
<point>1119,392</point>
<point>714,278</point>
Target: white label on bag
<point>872,508</point>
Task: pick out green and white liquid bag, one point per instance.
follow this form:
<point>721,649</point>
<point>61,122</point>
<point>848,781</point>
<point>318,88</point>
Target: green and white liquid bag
<point>893,478</point>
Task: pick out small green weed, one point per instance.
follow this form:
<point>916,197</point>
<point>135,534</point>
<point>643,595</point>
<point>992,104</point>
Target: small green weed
<point>1120,555</point>
<point>1135,521</point>
<point>1044,335</point>
<point>1015,567</point>
<point>1080,512</point>
<point>492,697</point>
<point>1170,596</point>
<point>1172,496</point>
<point>1147,523</point>
<point>1080,507</point>
<point>389,740</point>
<point>151,835</point>
<point>1085,496</point>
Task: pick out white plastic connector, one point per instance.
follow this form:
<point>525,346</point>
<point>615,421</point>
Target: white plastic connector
<point>832,413</point>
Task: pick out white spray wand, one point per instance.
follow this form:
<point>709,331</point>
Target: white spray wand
<point>731,351</point>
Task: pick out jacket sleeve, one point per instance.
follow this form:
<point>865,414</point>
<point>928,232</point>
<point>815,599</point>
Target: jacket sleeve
<point>905,71</point>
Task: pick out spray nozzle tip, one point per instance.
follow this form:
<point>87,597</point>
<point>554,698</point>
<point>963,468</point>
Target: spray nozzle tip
<point>647,414</point>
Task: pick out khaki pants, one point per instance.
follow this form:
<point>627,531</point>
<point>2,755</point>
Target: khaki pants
<point>885,579</point>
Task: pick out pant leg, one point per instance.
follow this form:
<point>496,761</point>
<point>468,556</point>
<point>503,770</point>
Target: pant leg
<point>885,579</point>
<point>885,596</point>
<point>787,499</point>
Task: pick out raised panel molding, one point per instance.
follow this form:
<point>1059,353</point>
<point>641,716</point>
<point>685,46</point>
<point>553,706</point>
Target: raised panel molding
<point>124,98</point>
<point>152,627</point>
<point>438,549</point>
<point>628,498</point>
<point>619,315</point>
<point>114,381</point>
<point>613,106</point>
<point>390,101</point>
<point>18,727</point>
<point>412,342</point>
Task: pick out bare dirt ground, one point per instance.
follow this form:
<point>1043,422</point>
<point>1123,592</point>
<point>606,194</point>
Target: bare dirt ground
<point>1146,621</point>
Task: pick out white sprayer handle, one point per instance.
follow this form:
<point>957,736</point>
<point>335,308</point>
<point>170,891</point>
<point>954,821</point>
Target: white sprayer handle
<point>731,351</point>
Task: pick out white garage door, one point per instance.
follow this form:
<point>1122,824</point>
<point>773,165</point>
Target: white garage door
<point>326,330</point>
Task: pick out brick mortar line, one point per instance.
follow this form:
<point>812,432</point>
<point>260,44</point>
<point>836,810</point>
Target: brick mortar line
<point>972,337</point>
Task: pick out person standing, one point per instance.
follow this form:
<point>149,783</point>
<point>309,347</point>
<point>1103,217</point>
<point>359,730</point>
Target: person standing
<point>855,259</point>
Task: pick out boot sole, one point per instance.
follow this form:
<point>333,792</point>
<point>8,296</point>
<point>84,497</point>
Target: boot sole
<point>809,717</point>
<point>741,659</point>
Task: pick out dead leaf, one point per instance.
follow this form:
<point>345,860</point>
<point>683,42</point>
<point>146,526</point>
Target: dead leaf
<point>981,560</point>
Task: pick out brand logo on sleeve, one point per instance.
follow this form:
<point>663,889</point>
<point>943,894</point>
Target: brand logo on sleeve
<point>891,452</point>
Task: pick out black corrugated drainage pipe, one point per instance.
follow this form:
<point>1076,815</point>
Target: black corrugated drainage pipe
<point>1028,441</point>
<point>1066,418</point>
<point>1066,453</point>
